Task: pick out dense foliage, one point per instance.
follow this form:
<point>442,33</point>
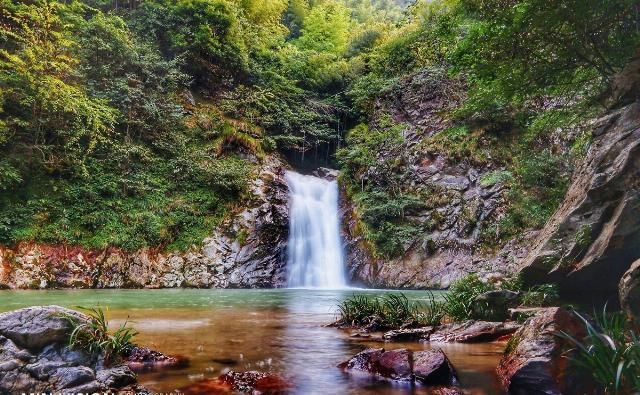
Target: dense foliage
<point>518,77</point>
<point>137,123</point>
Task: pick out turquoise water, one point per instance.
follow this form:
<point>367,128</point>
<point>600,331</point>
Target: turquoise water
<point>268,330</point>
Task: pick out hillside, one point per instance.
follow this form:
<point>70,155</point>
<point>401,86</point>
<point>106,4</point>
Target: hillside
<point>143,130</point>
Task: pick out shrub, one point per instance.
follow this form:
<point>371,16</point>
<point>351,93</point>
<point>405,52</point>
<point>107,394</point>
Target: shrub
<point>540,295</point>
<point>94,337</point>
<point>459,302</point>
<point>389,311</point>
<point>610,353</point>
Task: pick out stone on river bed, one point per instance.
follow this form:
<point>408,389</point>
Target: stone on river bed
<point>464,332</point>
<point>251,382</point>
<point>35,356</point>
<point>431,367</point>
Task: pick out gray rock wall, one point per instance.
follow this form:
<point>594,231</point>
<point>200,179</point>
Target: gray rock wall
<point>594,237</point>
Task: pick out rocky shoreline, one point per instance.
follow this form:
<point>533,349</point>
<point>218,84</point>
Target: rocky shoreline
<point>535,361</point>
<point>36,357</point>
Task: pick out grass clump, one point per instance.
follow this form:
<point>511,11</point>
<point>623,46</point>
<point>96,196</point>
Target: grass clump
<point>388,311</point>
<point>460,304</point>
<point>460,301</point>
<point>610,353</point>
<point>540,295</point>
<point>94,337</point>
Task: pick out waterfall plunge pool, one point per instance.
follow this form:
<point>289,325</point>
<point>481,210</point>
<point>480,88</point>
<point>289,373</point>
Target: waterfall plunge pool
<point>279,330</point>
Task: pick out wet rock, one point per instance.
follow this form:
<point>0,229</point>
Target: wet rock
<point>69,377</point>
<point>473,332</point>
<point>326,173</point>
<point>251,382</point>
<point>537,361</point>
<point>413,334</point>
<point>394,364</point>
<point>142,359</point>
<point>35,356</point>
<point>116,377</point>
<point>630,292</point>
<point>34,327</point>
<point>432,367</point>
<point>495,304</point>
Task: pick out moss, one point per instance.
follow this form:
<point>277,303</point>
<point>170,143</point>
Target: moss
<point>512,344</point>
<point>242,236</point>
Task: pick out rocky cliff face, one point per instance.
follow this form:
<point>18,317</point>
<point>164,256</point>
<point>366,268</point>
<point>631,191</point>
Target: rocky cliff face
<point>594,237</point>
<point>247,251</point>
<point>458,205</point>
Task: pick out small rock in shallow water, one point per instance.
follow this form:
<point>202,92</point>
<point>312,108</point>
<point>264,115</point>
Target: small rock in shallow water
<point>414,334</point>
<point>431,367</point>
<point>473,332</point>
<point>142,359</point>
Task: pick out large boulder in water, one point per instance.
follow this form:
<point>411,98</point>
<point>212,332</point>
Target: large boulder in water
<point>35,356</point>
<point>594,236</point>
<point>431,368</point>
<point>538,361</point>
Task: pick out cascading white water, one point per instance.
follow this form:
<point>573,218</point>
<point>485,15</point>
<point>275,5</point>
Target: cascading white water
<point>314,252</point>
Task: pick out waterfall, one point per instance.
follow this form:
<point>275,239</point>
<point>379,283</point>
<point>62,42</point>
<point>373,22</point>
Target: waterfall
<point>314,252</point>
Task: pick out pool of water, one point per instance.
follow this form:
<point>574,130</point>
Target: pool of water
<point>266,330</point>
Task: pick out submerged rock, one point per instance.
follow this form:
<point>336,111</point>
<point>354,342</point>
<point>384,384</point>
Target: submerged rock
<point>35,356</point>
<point>473,332</point>
<point>251,382</point>
<point>142,359</point>
<point>537,360</point>
<point>431,368</point>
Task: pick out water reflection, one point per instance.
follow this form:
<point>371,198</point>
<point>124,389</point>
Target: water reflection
<point>267,330</point>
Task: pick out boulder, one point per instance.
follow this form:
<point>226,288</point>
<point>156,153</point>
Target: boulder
<point>412,334</point>
<point>495,304</point>
<point>431,367</point>
<point>393,365</point>
<point>537,360</point>
<point>594,236</point>
<point>630,292</point>
<point>473,332</point>
<point>34,327</point>
<point>35,356</point>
